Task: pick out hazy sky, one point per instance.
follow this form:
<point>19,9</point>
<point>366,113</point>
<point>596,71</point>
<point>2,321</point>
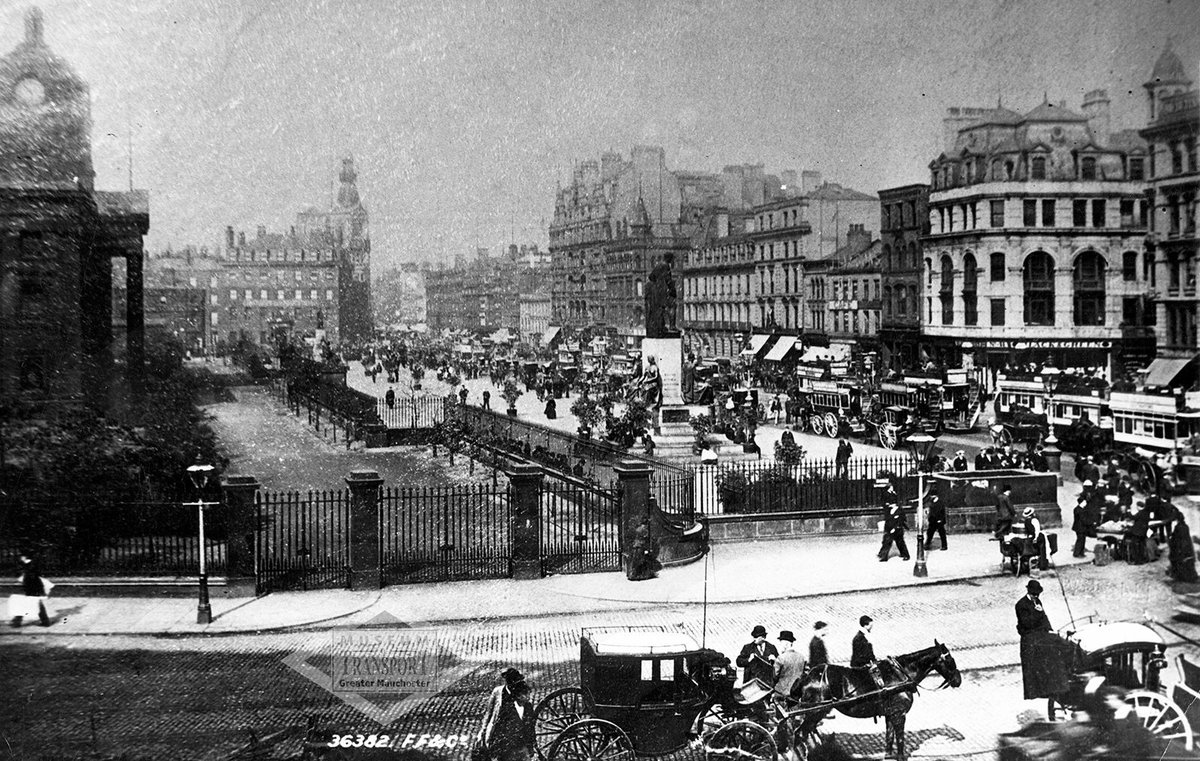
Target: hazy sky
<point>461,116</point>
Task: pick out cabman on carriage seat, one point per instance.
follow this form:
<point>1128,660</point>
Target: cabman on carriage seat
<point>862,652</point>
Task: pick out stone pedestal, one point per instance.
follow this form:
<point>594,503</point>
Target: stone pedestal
<point>668,355</point>
<point>526,483</point>
<point>242,524</point>
<point>364,529</point>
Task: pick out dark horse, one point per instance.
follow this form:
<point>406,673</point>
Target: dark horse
<point>854,693</point>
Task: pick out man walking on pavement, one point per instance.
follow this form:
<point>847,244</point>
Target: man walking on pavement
<point>842,459</point>
<point>757,659</point>
<point>862,652</point>
<point>462,395</point>
<point>789,666</point>
<point>817,654</point>
<point>487,399</point>
<point>894,524</point>
<point>1004,512</point>
<point>937,522</point>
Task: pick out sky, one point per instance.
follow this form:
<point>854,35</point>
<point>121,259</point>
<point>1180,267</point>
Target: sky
<point>462,116</point>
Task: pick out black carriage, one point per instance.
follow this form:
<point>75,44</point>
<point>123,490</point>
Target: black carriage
<point>649,692</point>
<point>1130,657</point>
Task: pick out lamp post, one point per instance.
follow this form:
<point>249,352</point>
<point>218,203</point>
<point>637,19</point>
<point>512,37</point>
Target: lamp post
<point>920,444</point>
<point>199,474</point>
<point>1050,380</point>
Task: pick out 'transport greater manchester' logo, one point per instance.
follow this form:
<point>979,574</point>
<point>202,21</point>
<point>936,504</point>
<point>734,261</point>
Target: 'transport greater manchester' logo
<point>383,669</point>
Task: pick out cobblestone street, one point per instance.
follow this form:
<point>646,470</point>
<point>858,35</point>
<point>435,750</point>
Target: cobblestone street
<point>200,697</point>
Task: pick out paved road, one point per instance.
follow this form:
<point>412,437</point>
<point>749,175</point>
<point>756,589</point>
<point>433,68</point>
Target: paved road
<point>198,698</point>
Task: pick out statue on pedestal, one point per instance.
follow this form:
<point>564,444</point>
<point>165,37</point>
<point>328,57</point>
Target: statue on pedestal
<point>652,387</point>
<point>661,300</point>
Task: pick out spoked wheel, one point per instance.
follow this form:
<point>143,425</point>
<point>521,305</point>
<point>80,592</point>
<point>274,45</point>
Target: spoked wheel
<point>557,711</point>
<point>741,740</point>
<point>816,425</point>
<point>887,435</point>
<point>1004,437</point>
<point>832,427</point>
<point>1148,476</point>
<point>714,718</point>
<point>1159,714</point>
<point>591,740</point>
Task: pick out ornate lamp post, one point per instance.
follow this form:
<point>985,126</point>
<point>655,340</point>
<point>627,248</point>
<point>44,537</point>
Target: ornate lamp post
<point>920,444</point>
<point>199,474</point>
<point>1050,380</point>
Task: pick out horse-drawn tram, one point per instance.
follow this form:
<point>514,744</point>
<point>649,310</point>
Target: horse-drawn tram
<point>648,691</point>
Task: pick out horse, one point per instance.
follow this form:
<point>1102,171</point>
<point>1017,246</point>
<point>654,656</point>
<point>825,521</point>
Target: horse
<point>854,692</point>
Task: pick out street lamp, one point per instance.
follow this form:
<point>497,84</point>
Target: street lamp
<point>920,444</point>
<point>199,474</point>
<point>1050,379</point>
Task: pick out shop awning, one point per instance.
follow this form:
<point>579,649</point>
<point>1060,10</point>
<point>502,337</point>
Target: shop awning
<point>757,342</point>
<point>550,334</point>
<point>1163,371</point>
<point>501,336</point>
<point>781,348</point>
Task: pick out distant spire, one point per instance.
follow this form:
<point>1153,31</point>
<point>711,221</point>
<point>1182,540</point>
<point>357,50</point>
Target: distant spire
<point>33,27</point>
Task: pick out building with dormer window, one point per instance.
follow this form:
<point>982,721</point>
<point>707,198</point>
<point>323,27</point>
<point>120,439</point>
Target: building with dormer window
<point>1035,244</point>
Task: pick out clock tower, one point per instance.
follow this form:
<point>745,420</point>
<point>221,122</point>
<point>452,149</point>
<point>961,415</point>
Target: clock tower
<point>45,116</point>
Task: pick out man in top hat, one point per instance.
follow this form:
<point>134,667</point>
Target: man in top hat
<point>1043,653</point>
<point>937,522</point>
<point>508,726</point>
<point>789,666</point>
<point>757,659</point>
<point>894,524</point>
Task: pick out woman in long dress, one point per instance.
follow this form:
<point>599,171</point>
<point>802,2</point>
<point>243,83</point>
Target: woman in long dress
<point>1182,553</point>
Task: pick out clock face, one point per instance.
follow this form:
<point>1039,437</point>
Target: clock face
<point>30,91</point>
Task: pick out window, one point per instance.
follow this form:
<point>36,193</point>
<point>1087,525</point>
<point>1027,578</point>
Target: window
<point>1129,264</point>
<point>1087,168</point>
<point>1079,213</point>
<point>1048,212</point>
<point>299,294</point>
<point>1037,168</point>
<point>249,294</point>
<point>998,213</point>
<point>1030,213</point>
<point>902,303</point>
<point>997,268</point>
<point>947,291</point>
<point>1088,281</point>
<point>328,294</point>
<point>1127,211</point>
<point>1038,282</point>
<point>1177,159</point>
<point>279,295</point>
<point>1148,268</point>
<point>1137,169</point>
<point>262,294</point>
<point>233,294</point>
<point>1130,308</point>
<point>970,280</point>
<point>997,311</point>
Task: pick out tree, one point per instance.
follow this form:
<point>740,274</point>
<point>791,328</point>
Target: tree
<point>586,410</point>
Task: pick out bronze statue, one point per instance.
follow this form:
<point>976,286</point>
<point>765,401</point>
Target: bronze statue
<point>661,300</point>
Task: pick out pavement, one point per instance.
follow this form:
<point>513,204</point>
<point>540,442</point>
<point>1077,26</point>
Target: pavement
<point>737,572</point>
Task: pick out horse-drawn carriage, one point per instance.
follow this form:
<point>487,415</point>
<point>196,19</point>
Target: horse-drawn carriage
<point>648,692</point>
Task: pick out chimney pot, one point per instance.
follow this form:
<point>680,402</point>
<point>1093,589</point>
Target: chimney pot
<point>33,27</point>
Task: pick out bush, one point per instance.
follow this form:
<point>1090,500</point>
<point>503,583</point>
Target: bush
<point>774,491</point>
<point>789,453</point>
<point>731,489</point>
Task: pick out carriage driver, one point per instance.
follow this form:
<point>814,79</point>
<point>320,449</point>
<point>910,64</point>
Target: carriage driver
<point>862,652</point>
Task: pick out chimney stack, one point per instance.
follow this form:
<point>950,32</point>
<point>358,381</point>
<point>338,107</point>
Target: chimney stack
<point>33,28</point>
<point>809,181</point>
<point>242,238</point>
<point>229,237</point>
<point>262,232</point>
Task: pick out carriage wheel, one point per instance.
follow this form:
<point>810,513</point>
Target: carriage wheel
<point>887,435</point>
<point>1004,437</point>
<point>1148,476</point>
<point>832,427</point>
<point>557,711</point>
<point>1160,715</point>
<point>816,425</point>
<point>742,740</point>
<point>591,740</point>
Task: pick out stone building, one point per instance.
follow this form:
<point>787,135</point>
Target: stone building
<point>483,295</point>
<point>1034,252</point>
<point>904,222</point>
<point>779,232</point>
<point>1173,184</point>
<point>535,316</point>
<point>717,274</point>
<point>832,212</point>
<point>277,286</point>
<point>59,237</point>
<point>398,296</point>
<point>854,284</point>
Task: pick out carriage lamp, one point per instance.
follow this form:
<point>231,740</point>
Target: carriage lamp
<point>199,474</point>
<point>921,445</point>
<point>1050,378</point>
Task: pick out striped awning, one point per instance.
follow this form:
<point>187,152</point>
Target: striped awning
<point>781,348</point>
<point>757,342</point>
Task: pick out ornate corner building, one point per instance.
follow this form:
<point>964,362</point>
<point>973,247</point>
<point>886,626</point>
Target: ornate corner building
<point>1035,250</point>
<point>58,237</point>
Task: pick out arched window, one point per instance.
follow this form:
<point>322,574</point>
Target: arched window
<point>1037,168</point>
<point>1088,281</point>
<point>913,256</point>
<point>1038,282</point>
<point>637,287</point>
<point>887,301</point>
<point>928,272</point>
<point>947,290</point>
<point>887,257</point>
<point>970,281</point>
<point>902,306</point>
